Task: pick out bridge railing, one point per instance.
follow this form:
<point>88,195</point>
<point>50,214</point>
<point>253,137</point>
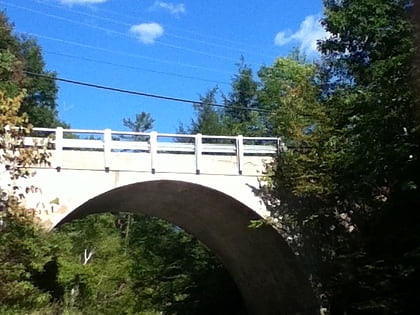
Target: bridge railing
<point>154,144</point>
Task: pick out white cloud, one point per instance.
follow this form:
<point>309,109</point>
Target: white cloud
<point>71,2</point>
<point>309,32</point>
<point>147,33</point>
<point>174,9</point>
<point>282,38</point>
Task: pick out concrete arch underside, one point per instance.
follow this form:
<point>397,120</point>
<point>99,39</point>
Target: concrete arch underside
<point>259,260</point>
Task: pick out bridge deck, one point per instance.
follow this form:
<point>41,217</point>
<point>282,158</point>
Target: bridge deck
<point>154,152</point>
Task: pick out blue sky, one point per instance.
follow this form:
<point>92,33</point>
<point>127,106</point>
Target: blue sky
<point>177,49</point>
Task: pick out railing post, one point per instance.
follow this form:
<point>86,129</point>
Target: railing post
<point>6,143</point>
<point>281,146</point>
<point>198,151</point>
<point>107,148</point>
<point>58,148</point>
<point>153,150</point>
<point>240,152</point>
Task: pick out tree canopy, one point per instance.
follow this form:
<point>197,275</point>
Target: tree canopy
<point>345,193</point>
<point>351,185</point>
<point>26,57</point>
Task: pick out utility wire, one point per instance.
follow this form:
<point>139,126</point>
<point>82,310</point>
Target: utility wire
<point>123,53</point>
<point>110,31</point>
<point>206,42</point>
<point>162,97</point>
<point>133,67</point>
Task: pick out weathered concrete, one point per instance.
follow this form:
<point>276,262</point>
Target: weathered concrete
<point>207,192</point>
<point>259,260</point>
<point>54,195</point>
<point>215,209</point>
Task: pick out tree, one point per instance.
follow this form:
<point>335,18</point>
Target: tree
<point>94,266</point>
<point>40,102</point>
<point>209,120</point>
<point>302,181</point>
<point>171,271</point>
<point>24,247</point>
<point>143,122</point>
<point>415,13</point>
<point>240,115</point>
<point>350,208</point>
<point>24,251</point>
<point>27,254</point>
<point>174,273</point>
<point>11,68</point>
<point>41,92</point>
<point>289,93</point>
<point>378,171</point>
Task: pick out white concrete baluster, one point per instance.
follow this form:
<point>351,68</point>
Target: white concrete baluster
<point>281,146</point>
<point>58,148</point>
<point>198,151</point>
<point>240,152</point>
<point>107,149</point>
<point>153,150</point>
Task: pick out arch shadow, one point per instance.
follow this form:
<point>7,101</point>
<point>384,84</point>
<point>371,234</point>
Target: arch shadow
<point>262,265</point>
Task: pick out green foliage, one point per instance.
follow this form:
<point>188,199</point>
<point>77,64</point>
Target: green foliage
<point>24,250</point>
<point>143,122</point>
<point>349,186</point>
<point>155,268</point>
<point>39,102</point>
<point>93,266</point>
<point>21,54</point>
<point>289,93</point>
<point>239,115</point>
<point>13,129</point>
<point>174,273</point>
<point>253,107</point>
<point>10,73</point>
<point>209,120</point>
<point>102,264</point>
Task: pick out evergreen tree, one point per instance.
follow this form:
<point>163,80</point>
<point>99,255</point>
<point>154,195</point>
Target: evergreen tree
<point>349,190</point>
<point>208,119</point>
<point>142,123</point>
<point>240,115</point>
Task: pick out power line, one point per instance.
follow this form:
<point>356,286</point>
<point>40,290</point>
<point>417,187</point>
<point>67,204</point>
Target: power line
<point>201,35</point>
<point>120,52</point>
<point>110,31</point>
<point>125,53</point>
<point>61,7</point>
<point>132,67</point>
<point>162,97</point>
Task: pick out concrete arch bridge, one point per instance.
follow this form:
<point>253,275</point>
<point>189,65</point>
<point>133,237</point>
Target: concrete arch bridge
<point>205,184</point>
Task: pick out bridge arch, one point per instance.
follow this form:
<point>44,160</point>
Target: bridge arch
<point>259,260</point>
